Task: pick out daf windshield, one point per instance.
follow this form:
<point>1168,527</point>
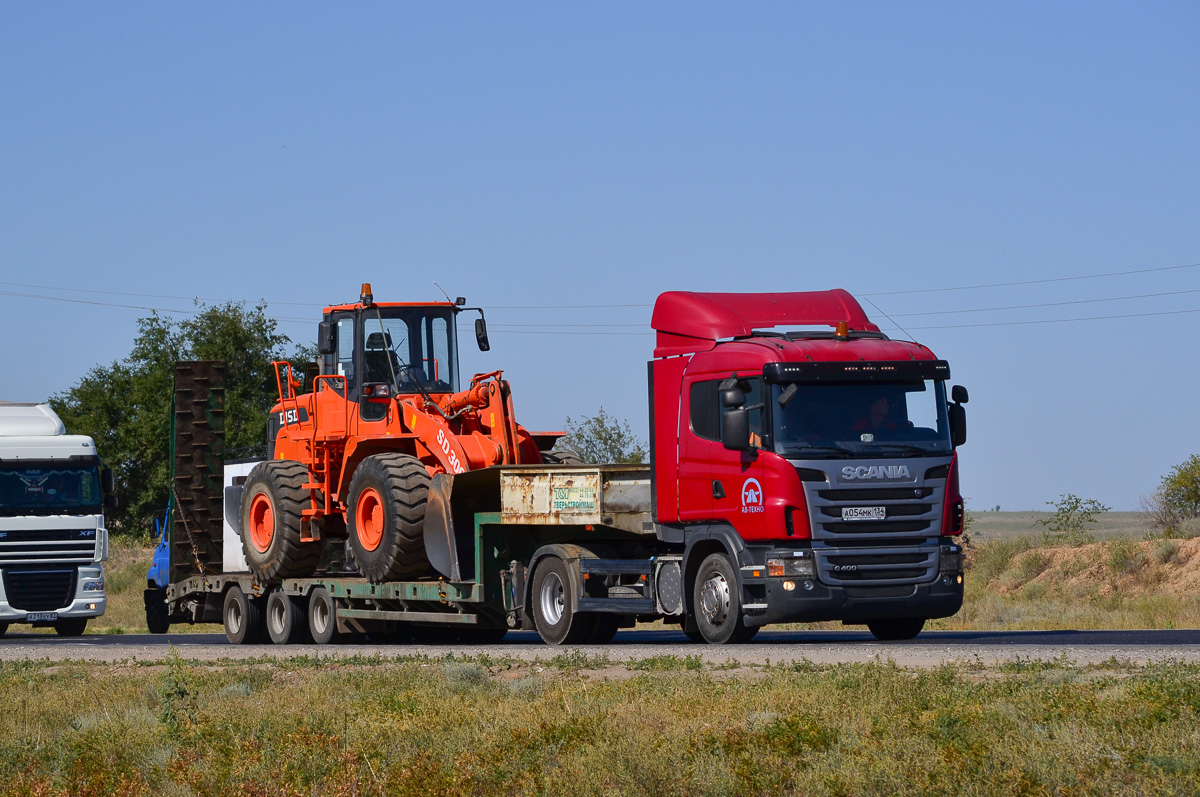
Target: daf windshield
<point>47,488</point>
<point>863,419</point>
<point>420,344</point>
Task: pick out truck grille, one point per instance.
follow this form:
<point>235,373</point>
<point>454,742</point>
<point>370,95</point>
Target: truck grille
<point>42,590</point>
<point>47,546</point>
<point>871,555</point>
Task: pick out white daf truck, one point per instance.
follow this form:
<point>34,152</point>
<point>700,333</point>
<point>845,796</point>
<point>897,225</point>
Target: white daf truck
<point>53,541</point>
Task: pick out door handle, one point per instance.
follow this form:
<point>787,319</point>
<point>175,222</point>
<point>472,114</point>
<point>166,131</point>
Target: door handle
<point>718,490</point>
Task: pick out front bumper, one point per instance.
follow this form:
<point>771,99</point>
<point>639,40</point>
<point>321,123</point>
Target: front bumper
<point>811,601</point>
<point>933,589</point>
<point>83,603</point>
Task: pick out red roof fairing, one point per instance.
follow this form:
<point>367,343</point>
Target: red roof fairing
<point>691,322</point>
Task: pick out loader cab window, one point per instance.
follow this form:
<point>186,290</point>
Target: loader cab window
<point>412,348</point>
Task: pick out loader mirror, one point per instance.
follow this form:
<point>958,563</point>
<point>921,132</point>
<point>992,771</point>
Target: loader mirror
<point>325,342</point>
<point>481,335</point>
<point>958,394</point>
<point>735,429</point>
<point>958,424</point>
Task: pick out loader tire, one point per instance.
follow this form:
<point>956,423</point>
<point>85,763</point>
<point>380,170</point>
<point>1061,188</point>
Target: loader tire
<point>386,517</point>
<point>561,458</point>
<point>273,502</point>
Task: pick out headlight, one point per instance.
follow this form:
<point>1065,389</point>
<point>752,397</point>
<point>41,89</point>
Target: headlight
<point>93,586</point>
<point>952,559</point>
<point>801,566</point>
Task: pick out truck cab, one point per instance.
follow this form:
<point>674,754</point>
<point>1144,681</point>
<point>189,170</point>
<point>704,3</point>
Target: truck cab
<point>817,463</point>
<point>53,541</point>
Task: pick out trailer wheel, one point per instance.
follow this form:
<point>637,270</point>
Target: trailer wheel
<point>554,614</point>
<point>287,621</point>
<point>71,626</point>
<point>322,617</point>
<point>386,514</point>
<point>158,616</point>
<point>273,502</point>
<point>896,630</point>
<point>717,603</point>
<point>243,616</point>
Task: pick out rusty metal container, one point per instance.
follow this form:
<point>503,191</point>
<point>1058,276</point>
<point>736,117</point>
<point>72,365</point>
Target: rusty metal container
<point>603,495</point>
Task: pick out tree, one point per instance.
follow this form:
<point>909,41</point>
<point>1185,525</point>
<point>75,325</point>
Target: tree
<point>1177,499</point>
<point>1072,516</point>
<point>600,438</point>
<point>126,406</point>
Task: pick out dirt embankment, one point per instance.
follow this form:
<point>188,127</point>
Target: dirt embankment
<point>1124,566</point>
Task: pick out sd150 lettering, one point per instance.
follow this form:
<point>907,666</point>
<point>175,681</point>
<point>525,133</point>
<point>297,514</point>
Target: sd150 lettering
<point>293,416</point>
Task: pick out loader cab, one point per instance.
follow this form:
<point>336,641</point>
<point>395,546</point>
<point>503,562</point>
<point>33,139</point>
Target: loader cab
<point>390,349</point>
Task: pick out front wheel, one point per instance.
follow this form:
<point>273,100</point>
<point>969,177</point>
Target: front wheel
<point>716,600</point>
<point>896,630</point>
<point>158,616</point>
<point>72,626</point>
<point>3,628</point>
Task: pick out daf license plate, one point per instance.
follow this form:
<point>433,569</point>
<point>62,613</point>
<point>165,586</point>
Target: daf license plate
<point>41,617</point>
<point>864,513</point>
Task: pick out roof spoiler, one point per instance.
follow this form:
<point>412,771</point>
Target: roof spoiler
<point>689,322</point>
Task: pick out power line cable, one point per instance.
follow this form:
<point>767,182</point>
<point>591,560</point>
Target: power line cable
<point>1059,320</point>
<point>1046,304</point>
<point>1035,282</point>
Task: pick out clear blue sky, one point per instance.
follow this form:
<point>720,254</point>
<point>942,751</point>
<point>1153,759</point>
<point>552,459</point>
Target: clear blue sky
<point>558,155</point>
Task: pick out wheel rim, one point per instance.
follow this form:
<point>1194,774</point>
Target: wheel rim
<point>320,616</point>
<point>714,600</point>
<point>553,599</point>
<point>262,522</point>
<point>233,617</point>
<point>278,616</point>
<point>368,519</point>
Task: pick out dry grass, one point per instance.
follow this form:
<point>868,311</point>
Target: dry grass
<point>303,727</point>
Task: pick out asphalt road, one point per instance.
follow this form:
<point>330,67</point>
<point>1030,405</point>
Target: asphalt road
<point>822,647</point>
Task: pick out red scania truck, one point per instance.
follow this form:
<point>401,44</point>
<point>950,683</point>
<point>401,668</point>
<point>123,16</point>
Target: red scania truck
<point>803,468</point>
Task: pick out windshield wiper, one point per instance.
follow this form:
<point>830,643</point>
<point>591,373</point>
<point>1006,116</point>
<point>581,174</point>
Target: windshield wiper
<point>903,447</point>
<point>808,449</point>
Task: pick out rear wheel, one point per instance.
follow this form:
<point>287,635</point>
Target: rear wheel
<point>243,617</point>
<point>286,620</point>
<point>717,603</point>
<point>387,517</point>
<point>554,602</point>
<point>71,626</point>
<point>604,628</point>
<point>322,617</point>
<point>896,630</point>
<point>273,502</point>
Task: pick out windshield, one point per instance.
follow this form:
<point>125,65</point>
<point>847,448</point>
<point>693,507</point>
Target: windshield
<point>49,489</point>
<point>420,345</point>
<point>871,419</point>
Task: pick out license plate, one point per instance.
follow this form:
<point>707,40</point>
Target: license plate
<point>864,513</point>
<point>41,617</point>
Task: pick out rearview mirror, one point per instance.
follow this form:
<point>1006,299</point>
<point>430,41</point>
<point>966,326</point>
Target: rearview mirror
<point>735,429</point>
<point>325,342</point>
<point>107,483</point>
<point>958,394</point>
<point>958,424</point>
<point>481,335</point>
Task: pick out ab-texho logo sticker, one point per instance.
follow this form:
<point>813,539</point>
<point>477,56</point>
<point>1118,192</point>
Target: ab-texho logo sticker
<point>752,496</point>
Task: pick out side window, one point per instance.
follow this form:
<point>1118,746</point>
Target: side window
<point>345,349</point>
<point>754,405</point>
<point>705,417</point>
